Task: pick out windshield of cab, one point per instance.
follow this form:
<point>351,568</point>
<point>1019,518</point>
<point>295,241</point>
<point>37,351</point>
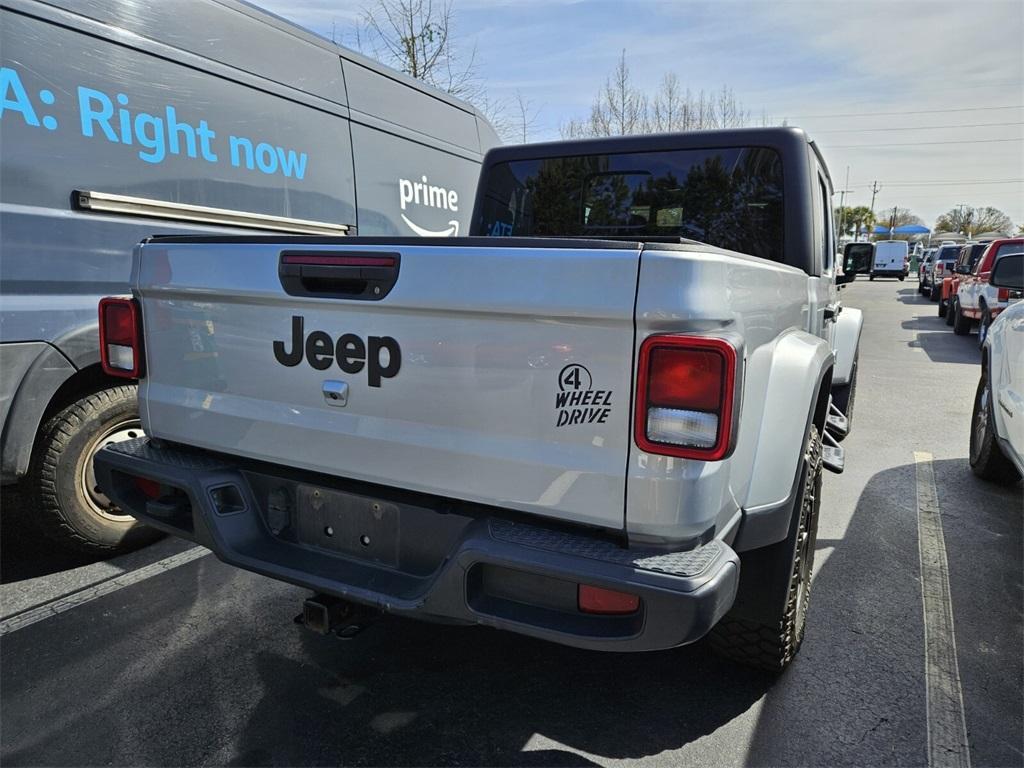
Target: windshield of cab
<point>730,198</point>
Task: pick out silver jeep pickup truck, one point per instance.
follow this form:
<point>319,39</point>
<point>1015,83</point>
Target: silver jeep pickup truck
<point>601,419</point>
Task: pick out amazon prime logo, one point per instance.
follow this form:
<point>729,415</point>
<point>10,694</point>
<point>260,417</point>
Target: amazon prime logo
<point>422,192</point>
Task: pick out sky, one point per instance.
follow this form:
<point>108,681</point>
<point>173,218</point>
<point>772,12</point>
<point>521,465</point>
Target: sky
<point>926,98</point>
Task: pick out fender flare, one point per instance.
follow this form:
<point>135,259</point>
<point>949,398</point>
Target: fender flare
<point>849,325</point>
<point>796,395</point>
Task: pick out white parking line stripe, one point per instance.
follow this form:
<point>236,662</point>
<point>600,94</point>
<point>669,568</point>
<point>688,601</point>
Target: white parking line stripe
<point>66,603</point>
<point>944,698</point>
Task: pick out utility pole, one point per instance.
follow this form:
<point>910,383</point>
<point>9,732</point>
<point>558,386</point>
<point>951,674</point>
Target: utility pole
<point>892,222</point>
<point>875,187</point>
<point>842,203</point>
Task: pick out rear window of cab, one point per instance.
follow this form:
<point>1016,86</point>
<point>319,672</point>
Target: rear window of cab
<point>726,197</point>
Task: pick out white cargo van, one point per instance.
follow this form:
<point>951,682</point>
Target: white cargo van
<point>891,259</point>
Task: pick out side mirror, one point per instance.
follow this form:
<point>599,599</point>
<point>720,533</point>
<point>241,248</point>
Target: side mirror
<point>1009,272</point>
<point>963,269</point>
<point>846,277</point>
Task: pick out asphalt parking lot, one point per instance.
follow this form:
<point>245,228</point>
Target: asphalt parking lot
<point>168,658</point>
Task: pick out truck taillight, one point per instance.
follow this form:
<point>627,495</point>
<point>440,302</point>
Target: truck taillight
<point>1002,294</point>
<point>121,337</point>
<point>940,267</point>
<point>684,404</point>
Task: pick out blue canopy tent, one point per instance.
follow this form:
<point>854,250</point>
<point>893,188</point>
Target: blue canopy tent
<point>911,229</point>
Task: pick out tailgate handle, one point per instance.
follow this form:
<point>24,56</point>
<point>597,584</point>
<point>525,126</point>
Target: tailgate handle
<point>366,276</point>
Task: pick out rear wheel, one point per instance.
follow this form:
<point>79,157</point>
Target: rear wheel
<point>961,323</point>
<point>64,502</point>
<point>987,458</point>
<point>949,316</point>
<point>934,293</point>
<point>871,277</point>
<point>772,645</point>
<point>983,325</point>
<point>943,308</point>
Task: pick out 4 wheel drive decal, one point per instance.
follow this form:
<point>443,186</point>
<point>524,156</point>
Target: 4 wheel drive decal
<point>380,355</point>
<point>577,402</point>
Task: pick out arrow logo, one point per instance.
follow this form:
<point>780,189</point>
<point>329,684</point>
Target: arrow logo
<point>451,231</point>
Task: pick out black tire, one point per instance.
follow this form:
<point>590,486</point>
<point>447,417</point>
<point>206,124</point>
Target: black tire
<point>843,397</point>
<point>772,646</point>
<point>871,277</point>
<point>902,278</point>
<point>934,293</point>
<point>986,456</point>
<point>949,316</point>
<point>983,325</point>
<point>63,501</point>
<point>961,323</point>
<point>943,308</point>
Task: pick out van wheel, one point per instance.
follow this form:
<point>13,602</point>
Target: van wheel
<point>987,458</point>
<point>961,322</point>
<point>772,646</point>
<point>871,277</point>
<point>64,502</point>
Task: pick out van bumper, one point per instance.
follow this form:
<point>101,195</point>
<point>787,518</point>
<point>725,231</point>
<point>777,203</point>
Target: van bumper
<point>423,557</point>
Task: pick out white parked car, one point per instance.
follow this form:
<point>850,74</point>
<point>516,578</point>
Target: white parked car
<point>997,428</point>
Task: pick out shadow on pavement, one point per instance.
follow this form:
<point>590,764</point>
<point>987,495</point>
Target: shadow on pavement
<point>24,554</point>
<point>203,666</point>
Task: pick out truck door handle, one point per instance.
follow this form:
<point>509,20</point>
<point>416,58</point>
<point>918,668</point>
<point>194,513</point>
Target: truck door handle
<point>367,276</point>
<point>832,311</point>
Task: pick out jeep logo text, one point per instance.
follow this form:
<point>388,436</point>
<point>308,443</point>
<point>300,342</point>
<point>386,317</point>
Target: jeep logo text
<point>380,355</point>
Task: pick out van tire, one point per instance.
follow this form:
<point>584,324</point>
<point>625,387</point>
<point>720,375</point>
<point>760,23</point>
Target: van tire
<point>58,502</point>
<point>772,646</point>
<point>986,455</point>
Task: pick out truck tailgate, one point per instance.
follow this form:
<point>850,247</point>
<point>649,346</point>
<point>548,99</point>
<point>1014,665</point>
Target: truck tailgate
<point>497,373</point>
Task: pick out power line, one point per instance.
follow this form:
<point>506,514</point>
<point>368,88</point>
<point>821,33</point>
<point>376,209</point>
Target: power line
<point>910,112</point>
<point>942,183</point>
<point>922,143</point>
<point>917,128</point>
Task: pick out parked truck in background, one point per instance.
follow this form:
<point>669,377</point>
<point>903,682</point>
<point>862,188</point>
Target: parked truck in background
<point>974,298</point>
<point>602,420</point>
<point>119,121</point>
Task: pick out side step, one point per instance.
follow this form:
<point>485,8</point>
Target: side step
<point>836,422</point>
<point>833,457</point>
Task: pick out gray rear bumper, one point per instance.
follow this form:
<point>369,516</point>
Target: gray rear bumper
<point>454,562</point>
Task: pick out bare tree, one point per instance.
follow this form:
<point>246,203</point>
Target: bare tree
<point>972,221</point>
<point>524,117</point>
<point>415,36</point>
<point>623,108</point>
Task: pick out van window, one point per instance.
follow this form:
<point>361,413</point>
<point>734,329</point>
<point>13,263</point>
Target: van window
<point>730,198</point>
